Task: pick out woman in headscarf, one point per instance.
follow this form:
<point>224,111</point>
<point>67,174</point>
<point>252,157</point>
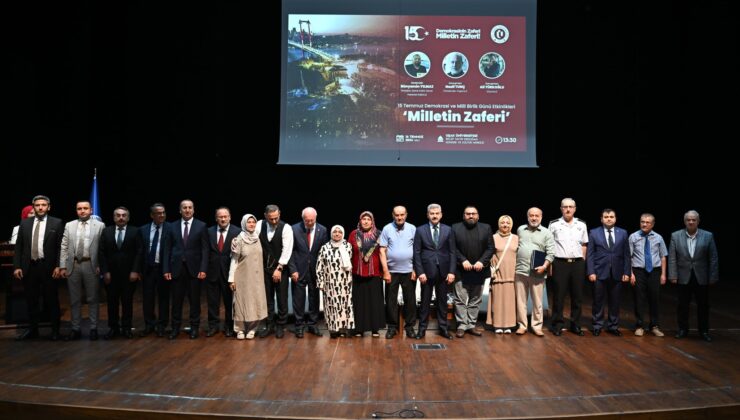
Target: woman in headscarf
<point>367,286</point>
<point>25,214</point>
<point>334,278</point>
<point>246,278</point>
<point>503,268</point>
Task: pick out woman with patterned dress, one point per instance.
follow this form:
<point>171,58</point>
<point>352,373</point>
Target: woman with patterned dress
<point>503,297</point>
<point>334,278</point>
<point>246,278</point>
<point>367,286</point>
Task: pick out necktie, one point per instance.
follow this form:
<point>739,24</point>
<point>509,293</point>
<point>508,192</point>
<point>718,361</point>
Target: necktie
<point>610,241</point>
<point>153,247</point>
<point>435,236</point>
<point>35,240</point>
<point>648,255</point>
<point>221,240</point>
<point>308,239</point>
<point>80,249</point>
<point>119,239</point>
<point>185,234</point>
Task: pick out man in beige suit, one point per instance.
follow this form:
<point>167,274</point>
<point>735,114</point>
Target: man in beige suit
<point>79,265</point>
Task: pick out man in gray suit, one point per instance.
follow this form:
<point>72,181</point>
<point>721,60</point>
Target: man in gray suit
<point>79,265</point>
<point>693,264</point>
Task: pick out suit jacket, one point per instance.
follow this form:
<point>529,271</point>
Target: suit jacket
<point>302,260</point>
<point>430,260</point>
<point>219,261</point>
<point>608,262</point>
<point>705,262</point>
<point>485,243</point>
<point>52,242</point>
<point>69,243</point>
<point>144,232</point>
<point>195,253</point>
<point>120,262</point>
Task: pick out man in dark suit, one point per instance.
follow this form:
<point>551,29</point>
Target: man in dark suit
<point>36,262</point>
<point>434,263</point>
<point>120,255</point>
<point>154,285</point>
<point>219,261</point>
<point>608,265</point>
<point>185,265</point>
<point>693,264</point>
<point>308,238</point>
<point>473,252</point>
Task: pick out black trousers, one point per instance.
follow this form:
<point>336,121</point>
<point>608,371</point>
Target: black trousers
<point>184,285</point>
<point>647,289</point>
<point>606,292</point>
<point>439,285</point>
<point>701,292</point>
<point>120,293</point>
<point>279,290</point>
<point>568,277</point>
<point>155,286</point>
<point>299,290</point>
<point>408,288</point>
<point>38,283</point>
<point>217,289</point>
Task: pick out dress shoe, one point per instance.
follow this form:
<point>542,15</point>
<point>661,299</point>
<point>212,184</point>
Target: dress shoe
<point>315,331</point>
<point>147,330</point>
<point>73,335</point>
<point>706,337</point>
<point>615,332</point>
<point>279,331</point>
<point>299,332</point>
<point>127,333</point>
<point>229,332</point>
<point>474,332</point>
<point>193,333</point>
<point>333,334</point>
<point>596,332</point>
<point>160,332</point>
<point>446,334</point>
<point>28,334</point>
<point>210,332</point>
<point>410,333</point>
<point>93,334</point>
<point>390,333</point>
<point>111,334</point>
<point>265,332</point>
<point>539,333</point>
<point>557,331</point>
<point>682,333</point>
<point>421,334</point>
<point>460,333</point>
<point>173,335</point>
<point>521,331</point>
<point>577,331</point>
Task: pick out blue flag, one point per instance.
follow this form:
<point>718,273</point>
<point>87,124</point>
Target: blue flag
<point>94,202</point>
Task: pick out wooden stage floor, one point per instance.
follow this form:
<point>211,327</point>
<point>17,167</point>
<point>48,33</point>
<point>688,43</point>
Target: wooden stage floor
<point>495,376</point>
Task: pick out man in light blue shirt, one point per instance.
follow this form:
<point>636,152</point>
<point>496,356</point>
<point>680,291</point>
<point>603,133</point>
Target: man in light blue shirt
<point>396,257</point>
<point>648,252</point>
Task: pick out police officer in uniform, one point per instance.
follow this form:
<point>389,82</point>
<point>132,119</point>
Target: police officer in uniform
<point>569,267</point>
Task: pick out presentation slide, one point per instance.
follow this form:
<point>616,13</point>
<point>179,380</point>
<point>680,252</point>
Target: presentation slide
<point>409,89</point>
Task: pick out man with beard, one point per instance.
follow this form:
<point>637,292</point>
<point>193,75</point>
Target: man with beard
<point>474,249</point>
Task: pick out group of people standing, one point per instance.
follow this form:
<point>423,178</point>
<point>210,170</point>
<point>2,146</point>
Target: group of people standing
<point>250,268</point>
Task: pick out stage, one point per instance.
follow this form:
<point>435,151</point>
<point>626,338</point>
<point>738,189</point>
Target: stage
<point>494,376</point>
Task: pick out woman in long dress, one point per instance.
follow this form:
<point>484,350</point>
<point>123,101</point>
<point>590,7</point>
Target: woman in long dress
<point>367,287</point>
<point>246,278</point>
<point>334,278</point>
<point>503,295</point>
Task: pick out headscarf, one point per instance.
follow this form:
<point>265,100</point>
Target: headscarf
<point>26,211</point>
<point>367,241</point>
<point>246,236</point>
<point>346,261</point>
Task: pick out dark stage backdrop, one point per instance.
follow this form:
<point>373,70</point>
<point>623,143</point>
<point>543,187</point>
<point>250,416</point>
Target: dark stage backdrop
<point>635,106</point>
